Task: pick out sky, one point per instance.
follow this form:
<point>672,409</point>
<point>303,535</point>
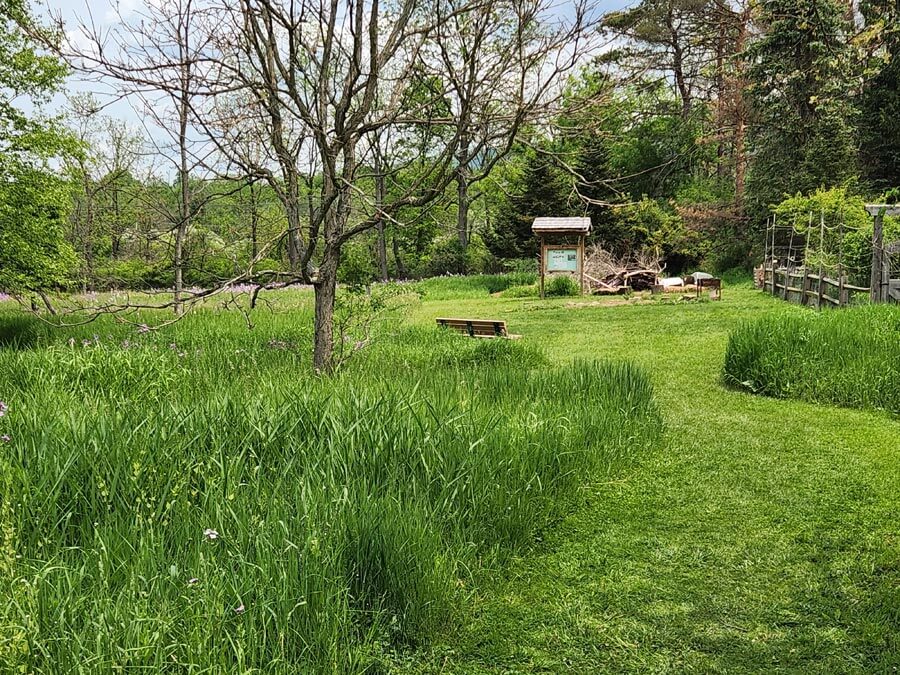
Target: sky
<point>104,13</point>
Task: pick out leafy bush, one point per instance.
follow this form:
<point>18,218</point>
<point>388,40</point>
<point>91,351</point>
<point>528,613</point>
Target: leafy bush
<point>562,286</point>
<point>357,266</point>
<point>848,357</point>
<point>134,274</point>
<point>848,230</point>
<point>529,291</point>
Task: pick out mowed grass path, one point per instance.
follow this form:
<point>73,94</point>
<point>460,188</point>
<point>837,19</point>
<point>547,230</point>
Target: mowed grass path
<point>762,536</point>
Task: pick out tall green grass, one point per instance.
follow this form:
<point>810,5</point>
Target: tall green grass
<point>849,357</point>
<point>471,286</point>
<point>197,501</point>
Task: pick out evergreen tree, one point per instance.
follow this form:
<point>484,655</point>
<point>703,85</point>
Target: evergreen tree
<point>542,192</point>
<point>801,73</point>
<point>880,100</point>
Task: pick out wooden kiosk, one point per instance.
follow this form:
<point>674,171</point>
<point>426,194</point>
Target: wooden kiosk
<point>562,246</point>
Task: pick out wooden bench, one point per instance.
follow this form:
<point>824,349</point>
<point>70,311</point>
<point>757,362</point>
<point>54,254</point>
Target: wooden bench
<point>713,285</point>
<point>481,328</point>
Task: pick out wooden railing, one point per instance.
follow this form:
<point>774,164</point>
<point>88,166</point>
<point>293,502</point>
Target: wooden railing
<point>812,289</point>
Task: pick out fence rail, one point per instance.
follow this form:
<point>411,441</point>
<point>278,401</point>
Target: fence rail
<point>813,289</point>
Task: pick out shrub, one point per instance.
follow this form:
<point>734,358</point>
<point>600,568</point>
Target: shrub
<point>530,291</point>
<point>134,274</point>
<point>848,357</point>
<point>561,286</point>
<point>357,266</point>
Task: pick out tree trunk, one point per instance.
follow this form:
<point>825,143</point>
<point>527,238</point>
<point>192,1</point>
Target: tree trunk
<point>116,234</point>
<point>721,41</point>
<point>184,171</point>
<point>325,292</point>
<point>462,196</point>
<point>254,223</point>
<point>382,243</point>
<point>398,260</point>
<point>181,229</point>
<point>678,65</point>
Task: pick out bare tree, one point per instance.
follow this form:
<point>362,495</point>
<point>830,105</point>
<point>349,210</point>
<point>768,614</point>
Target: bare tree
<point>313,73</point>
<point>155,59</point>
<point>109,154</point>
<point>503,63</point>
<point>320,86</point>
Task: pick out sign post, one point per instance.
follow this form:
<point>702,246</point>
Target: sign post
<point>560,255</point>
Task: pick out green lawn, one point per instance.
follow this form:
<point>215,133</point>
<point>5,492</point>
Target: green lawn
<point>757,535</point>
<point>762,535</point>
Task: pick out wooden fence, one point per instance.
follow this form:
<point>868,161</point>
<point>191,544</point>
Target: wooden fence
<point>807,288</point>
<point>796,283</point>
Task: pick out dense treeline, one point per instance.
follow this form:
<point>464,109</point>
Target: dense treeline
<point>677,125</point>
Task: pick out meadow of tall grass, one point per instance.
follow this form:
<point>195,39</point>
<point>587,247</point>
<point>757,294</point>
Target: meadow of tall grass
<point>848,357</point>
<point>196,500</point>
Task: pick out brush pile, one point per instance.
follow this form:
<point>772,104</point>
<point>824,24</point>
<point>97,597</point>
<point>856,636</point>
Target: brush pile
<point>608,274</point>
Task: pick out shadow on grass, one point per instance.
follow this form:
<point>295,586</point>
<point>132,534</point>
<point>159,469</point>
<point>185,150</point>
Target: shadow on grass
<point>19,332</point>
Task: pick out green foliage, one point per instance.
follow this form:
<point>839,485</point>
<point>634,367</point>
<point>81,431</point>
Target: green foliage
<point>34,201</point>
<point>197,483</point>
<point>650,226</point>
<point>561,286</point>
<point>837,205</point>
<point>33,251</point>
<point>847,357</point>
<point>879,103</point>
<point>134,274</point>
<point>357,265</point>
<point>529,291</point>
<point>472,286</point>
<point>447,257</point>
<point>540,189</point>
<point>802,70</point>
<point>847,233</point>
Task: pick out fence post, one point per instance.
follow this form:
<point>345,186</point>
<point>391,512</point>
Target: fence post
<point>821,287</point>
<point>877,280</point>
<point>841,302</point>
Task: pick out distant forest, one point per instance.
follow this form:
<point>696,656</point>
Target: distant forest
<point>676,125</point>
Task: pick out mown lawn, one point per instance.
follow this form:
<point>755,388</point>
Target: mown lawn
<point>761,535</point>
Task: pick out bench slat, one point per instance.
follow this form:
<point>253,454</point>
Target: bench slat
<point>475,327</point>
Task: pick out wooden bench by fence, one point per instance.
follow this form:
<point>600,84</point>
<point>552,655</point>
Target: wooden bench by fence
<point>714,285</point>
<point>482,328</point>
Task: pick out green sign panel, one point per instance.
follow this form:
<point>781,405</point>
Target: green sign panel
<point>562,260</point>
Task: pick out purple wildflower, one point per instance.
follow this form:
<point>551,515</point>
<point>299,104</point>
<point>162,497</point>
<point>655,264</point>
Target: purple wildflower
<point>143,328</point>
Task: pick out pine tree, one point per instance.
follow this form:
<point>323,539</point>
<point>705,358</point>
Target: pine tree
<point>801,91</point>
<point>880,100</point>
